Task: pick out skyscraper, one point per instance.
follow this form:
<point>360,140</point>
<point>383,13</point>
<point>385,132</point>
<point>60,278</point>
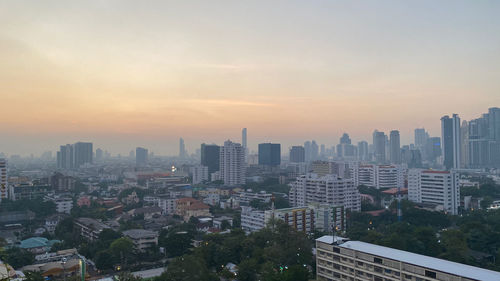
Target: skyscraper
<point>395,147</point>
<point>314,150</point>
<point>307,149</point>
<point>84,153</point>
<point>141,156</point>
<point>65,157</point>
<point>420,137</point>
<point>269,154</point>
<point>99,154</point>
<point>182,149</point>
<point>210,155</point>
<point>244,142</point>
<point>4,189</point>
<point>379,146</point>
<point>297,154</point>
<point>232,163</point>
<point>450,141</point>
<point>363,151</point>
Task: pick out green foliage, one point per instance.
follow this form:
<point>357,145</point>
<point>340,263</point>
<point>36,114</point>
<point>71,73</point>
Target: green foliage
<point>187,268</point>
<point>41,208</point>
<point>127,276</point>
<point>33,276</point>
<point>260,205</point>
<point>17,257</point>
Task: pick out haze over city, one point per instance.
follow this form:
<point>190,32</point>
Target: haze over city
<point>128,73</point>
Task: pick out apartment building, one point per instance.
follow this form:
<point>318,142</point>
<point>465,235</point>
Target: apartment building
<point>338,258</point>
<point>378,176</point>
<point>142,239</point>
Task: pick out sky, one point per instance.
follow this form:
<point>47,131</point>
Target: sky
<point>144,73</point>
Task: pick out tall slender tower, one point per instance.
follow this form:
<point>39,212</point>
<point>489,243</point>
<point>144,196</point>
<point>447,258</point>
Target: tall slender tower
<point>244,142</point>
<point>395,147</point>
<point>451,141</point>
<point>182,148</point>
<point>4,190</point>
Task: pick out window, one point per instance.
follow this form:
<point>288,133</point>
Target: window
<point>377,278</point>
<point>336,250</point>
<point>377,260</point>
<point>360,263</point>
<point>430,274</point>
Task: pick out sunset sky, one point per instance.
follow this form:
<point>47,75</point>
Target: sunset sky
<point>144,73</point>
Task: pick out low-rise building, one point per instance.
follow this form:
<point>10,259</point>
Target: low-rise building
<point>89,228</point>
<point>189,207</point>
<point>63,204</point>
<point>338,258</point>
<point>142,239</point>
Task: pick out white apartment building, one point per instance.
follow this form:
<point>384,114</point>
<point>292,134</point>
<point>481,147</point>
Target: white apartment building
<point>439,188</point>
<point>378,176</point>
<point>4,189</point>
<point>63,204</point>
<point>331,189</point>
<point>232,163</point>
<point>167,204</point>
<point>252,220</point>
<point>200,174</point>
<point>324,217</point>
<point>338,258</point>
<point>245,197</point>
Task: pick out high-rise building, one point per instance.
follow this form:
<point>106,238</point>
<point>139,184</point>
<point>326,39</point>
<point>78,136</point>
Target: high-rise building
<point>395,147</point>
<point>141,156</point>
<point>182,149</point>
<point>244,142</point>
<point>464,144</point>
<point>482,140</point>
<point>297,154</point>
<point>65,157</point>
<point>331,189</point>
<point>345,149</point>
<point>270,154</point>
<point>307,149</point>
<point>199,173</point>
<point>314,151</point>
<point>433,149</point>
<point>450,141</point>
<point>232,163</point>
<point>421,137</point>
<point>83,153</point>
<point>340,258</point>
<point>363,151</point>
<point>4,188</point>
<point>378,176</point>
<point>210,155</point>
<point>440,188</point>
<point>379,139</point>
<point>412,157</point>
<point>345,139</point>
<point>99,153</point>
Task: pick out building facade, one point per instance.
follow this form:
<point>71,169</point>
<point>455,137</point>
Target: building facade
<point>440,188</point>
<point>270,154</point>
<point>232,163</point>
<point>297,154</point>
<point>4,188</point>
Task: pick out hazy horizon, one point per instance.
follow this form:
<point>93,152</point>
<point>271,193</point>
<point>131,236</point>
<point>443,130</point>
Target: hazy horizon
<point>123,74</point>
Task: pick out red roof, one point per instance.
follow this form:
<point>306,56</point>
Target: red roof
<point>394,191</point>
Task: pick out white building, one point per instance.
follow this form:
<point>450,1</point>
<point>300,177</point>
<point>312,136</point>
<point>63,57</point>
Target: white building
<point>4,189</point>
<point>63,204</point>
<point>200,174</point>
<point>330,189</point>
<point>439,188</point>
<point>232,163</point>
<point>246,197</point>
<point>252,220</point>
<point>338,258</point>
<point>378,176</point>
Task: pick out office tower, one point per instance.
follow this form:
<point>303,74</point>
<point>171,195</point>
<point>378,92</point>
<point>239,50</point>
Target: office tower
<point>307,149</point>
<point>232,163</point>
<point>483,142</point>
<point>379,146</point>
<point>345,139</point>
<point>464,144</point>
<point>297,154</point>
<point>131,154</point>
<point>395,147</point>
<point>84,153</point>
<point>420,137</point>
<point>244,142</point>
<point>182,149</point>
<point>314,151</point>
<point>322,151</point>
<point>433,149</point>
<point>440,188</point>
<point>4,188</point>
<point>199,173</point>
<point>363,151</point>
<point>270,154</point>
<point>65,157</point>
<point>345,149</point>
<point>141,156</point>
<point>450,141</point>
<point>331,189</point>
<point>340,258</point>
<point>98,154</point>
<point>210,155</point>
<point>412,157</point>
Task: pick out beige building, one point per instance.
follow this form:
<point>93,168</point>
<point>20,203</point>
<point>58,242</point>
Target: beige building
<point>190,207</point>
<point>338,258</point>
<point>143,239</point>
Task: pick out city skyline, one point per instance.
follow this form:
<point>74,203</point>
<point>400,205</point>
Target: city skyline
<point>148,74</point>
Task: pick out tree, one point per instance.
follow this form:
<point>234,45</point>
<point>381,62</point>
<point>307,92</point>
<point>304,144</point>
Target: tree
<point>187,268</point>
<point>122,249</point>
<point>33,276</point>
<point>127,276</point>
<point>225,225</point>
<point>104,260</point>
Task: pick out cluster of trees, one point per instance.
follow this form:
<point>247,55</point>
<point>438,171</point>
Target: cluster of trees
<point>473,238</point>
<point>276,253</point>
<point>39,207</point>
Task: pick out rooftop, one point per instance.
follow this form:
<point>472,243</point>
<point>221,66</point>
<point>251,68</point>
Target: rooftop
<point>416,259</point>
<point>139,233</point>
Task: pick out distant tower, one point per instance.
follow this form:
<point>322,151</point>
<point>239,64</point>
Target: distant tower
<point>244,142</point>
<point>379,146</point>
<point>182,148</point>
<point>232,163</point>
<point>395,147</point>
<point>141,156</point>
<point>450,141</point>
<point>4,190</point>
